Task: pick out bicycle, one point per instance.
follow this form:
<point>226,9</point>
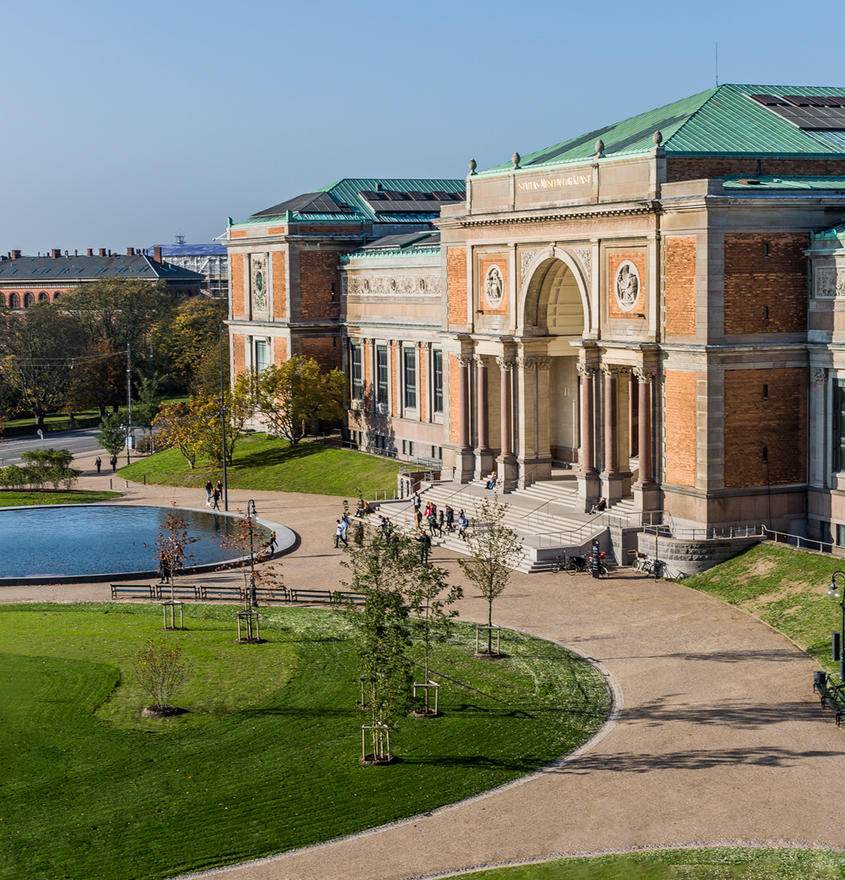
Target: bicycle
<point>649,566</point>
<point>570,564</point>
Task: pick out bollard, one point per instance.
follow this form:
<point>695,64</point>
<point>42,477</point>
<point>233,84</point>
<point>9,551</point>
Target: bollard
<point>110,485</point>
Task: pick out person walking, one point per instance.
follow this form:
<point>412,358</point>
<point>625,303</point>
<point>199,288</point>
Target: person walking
<point>271,544</point>
<point>450,519</point>
<point>440,521</point>
<point>113,463</point>
<point>99,463</point>
<point>209,489</point>
<point>432,524</point>
<point>216,496</point>
<point>344,522</point>
<point>463,523</point>
<point>425,546</point>
<point>339,534</point>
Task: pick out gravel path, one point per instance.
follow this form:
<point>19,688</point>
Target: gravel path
<point>717,736</point>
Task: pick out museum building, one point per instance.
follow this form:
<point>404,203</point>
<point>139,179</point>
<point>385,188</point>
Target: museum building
<point>656,305</point>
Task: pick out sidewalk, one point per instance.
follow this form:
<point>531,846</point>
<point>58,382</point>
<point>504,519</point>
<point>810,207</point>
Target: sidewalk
<point>719,738</point>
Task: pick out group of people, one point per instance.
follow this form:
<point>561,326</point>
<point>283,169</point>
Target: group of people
<point>112,461</point>
<point>341,529</point>
<point>213,494</point>
<point>438,521</point>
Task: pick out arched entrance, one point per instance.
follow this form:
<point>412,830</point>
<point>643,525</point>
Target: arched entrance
<point>554,313</point>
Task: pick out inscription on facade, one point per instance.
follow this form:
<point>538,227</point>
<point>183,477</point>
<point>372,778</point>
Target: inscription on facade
<point>551,183</point>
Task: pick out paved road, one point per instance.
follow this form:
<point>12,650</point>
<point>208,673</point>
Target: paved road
<point>717,739</point>
<point>78,442</point>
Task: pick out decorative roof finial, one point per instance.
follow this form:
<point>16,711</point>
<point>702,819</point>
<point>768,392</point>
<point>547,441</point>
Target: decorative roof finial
<point>658,138</point>
<point>599,148</point>
<point>516,159</point>
<point>472,166</point>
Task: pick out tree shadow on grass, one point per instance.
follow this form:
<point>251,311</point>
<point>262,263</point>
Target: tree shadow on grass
<point>269,457</point>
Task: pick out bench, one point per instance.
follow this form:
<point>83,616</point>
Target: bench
<point>311,596</point>
<point>183,591</point>
<point>267,594</point>
<point>132,591</point>
<point>830,694</point>
<point>340,597</point>
<point>213,593</point>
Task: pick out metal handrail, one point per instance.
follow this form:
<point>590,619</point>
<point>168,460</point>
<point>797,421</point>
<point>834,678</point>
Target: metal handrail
<point>798,539</point>
<point>731,530</point>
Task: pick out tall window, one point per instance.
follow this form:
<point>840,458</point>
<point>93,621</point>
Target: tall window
<point>260,355</point>
<point>409,364</point>
<point>381,374</point>
<point>437,380</point>
<point>357,366</point>
<point>838,427</point>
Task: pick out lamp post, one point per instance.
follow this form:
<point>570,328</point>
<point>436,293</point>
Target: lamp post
<point>835,593</point>
<point>250,513</point>
<point>223,421</point>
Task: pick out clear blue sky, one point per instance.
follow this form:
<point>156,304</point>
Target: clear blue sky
<point>128,123</point>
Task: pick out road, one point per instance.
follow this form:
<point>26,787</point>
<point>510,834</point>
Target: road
<point>84,440</point>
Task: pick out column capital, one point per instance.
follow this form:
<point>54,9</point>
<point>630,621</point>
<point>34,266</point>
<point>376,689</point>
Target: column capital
<point>586,370</point>
<point>464,360</point>
<point>644,374</point>
<point>505,363</point>
<point>615,369</point>
<point>819,376</point>
<point>534,362</point>
<point>480,360</point>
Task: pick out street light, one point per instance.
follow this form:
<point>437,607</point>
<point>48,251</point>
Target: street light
<point>835,593</point>
<point>250,513</point>
<point>223,421</point>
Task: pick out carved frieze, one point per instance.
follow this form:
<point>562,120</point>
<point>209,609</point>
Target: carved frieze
<point>584,255</point>
<point>826,284</point>
<point>258,283</point>
<point>393,285</point>
<point>526,257</point>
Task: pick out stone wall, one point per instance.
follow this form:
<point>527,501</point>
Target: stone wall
<point>690,557</point>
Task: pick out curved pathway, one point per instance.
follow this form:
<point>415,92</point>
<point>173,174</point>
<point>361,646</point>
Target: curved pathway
<point>719,739</point>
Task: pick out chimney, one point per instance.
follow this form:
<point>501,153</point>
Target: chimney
<point>102,252</point>
<point>90,252</point>
<point>55,253</point>
<point>157,254</point>
<point>16,255</point>
<point>130,252</point>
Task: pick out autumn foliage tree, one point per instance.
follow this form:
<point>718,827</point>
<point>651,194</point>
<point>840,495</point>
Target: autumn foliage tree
<point>290,396</point>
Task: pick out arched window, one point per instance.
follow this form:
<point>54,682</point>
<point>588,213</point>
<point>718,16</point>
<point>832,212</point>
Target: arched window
<point>28,299</point>
<point>14,301</point>
<point>43,297</point>
<point>56,295</point>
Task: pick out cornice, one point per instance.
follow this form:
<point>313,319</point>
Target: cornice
<point>584,212</point>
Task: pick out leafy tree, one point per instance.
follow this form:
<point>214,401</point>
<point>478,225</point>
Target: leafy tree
<point>239,401</point>
<point>429,598</point>
<point>171,546</point>
<point>97,378</point>
<point>182,426</point>
<point>188,339</point>
<point>112,433</point>
<point>145,407</point>
<point>36,349</point>
<point>290,396</point>
<point>382,569</point>
<point>160,671</point>
<point>494,549</point>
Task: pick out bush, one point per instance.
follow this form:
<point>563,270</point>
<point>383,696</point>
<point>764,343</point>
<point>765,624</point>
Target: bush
<point>41,467</point>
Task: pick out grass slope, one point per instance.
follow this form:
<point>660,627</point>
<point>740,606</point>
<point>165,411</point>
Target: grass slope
<point>267,757</point>
<point>12,498</point>
<point>784,587</point>
<point>263,462</point>
<point>691,864</point>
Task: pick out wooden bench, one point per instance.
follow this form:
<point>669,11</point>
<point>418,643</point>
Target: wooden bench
<point>830,694</point>
<point>133,591</point>
<point>340,597</point>
<point>221,593</point>
<point>324,596</point>
<point>180,591</point>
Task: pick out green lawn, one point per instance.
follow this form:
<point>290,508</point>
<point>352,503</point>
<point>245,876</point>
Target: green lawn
<point>262,462</point>
<point>266,758</point>
<point>784,587</point>
<point>13,498</point>
<point>691,864</point>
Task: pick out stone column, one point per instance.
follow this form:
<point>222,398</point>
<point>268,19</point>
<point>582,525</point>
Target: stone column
<point>463,456</point>
<point>820,430</point>
<point>483,458</point>
<point>586,454</point>
<point>507,460</point>
<point>534,461</point>
<point>613,483</point>
<point>646,493</point>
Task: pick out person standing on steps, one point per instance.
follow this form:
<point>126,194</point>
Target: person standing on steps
<point>99,463</point>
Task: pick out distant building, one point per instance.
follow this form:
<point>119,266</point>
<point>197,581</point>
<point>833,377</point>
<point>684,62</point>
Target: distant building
<point>210,260</point>
<point>27,280</point>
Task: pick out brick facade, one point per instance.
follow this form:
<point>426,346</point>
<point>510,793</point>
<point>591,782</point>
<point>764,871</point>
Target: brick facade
<point>324,349</point>
<point>680,409</point>
<point>319,285</point>
<point>238,353</point>
<point>456,266</point>
<point>236,288</point>
<point>719,166</point>
<point>765,283</point>
<point>280,311</point>
<point>679,285</point>
<point>280,350</point>
<point>765,426</point>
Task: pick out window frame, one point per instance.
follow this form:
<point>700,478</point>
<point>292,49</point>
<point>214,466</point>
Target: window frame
<point>409,376</point>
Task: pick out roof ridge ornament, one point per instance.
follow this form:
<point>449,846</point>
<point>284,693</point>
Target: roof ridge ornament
<point>472,166</point>
<point>516,159</point>
<point>599,148</point>
<point>658,138</point>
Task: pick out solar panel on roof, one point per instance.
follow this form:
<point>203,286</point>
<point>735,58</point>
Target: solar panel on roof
<point>807,112</point>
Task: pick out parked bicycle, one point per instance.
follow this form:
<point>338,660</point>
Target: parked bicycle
<point>573,563</point>
<point>649,565</point>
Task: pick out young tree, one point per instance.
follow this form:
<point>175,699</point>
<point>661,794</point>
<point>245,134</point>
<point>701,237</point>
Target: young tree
<point>112,433</point>
<point>429,598</point>
<point>145,407</point>
<point>239,406</point>
<point>291,396</point>
<point>182,426</point>
<point>171,547</point>
<point>160,671</point>
<point>494,549</point>
<point>382,569</point>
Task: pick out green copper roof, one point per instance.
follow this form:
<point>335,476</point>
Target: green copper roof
<point>835,233</point>
<point>720,121</point>
<point>768,182</point>
<point>367,200</point>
